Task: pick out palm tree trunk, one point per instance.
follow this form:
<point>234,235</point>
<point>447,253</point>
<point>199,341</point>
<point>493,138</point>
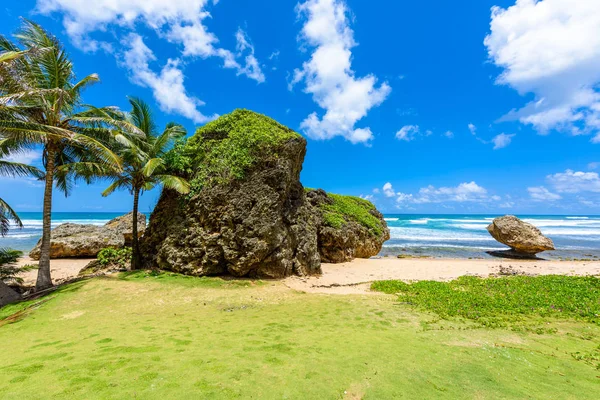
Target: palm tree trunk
<point>44,280</point>
<point>7,295</point>
<point>136,262</point>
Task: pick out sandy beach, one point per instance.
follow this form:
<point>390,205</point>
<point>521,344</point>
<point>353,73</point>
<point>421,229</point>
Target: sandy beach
<point>61,269</point>
<point>354,277</point>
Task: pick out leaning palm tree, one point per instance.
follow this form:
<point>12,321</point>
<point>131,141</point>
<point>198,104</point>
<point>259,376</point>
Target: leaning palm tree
<point>144,165</point>
<point>40,105</point>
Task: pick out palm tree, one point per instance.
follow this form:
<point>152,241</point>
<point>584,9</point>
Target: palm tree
<point>40,105</point>
<point>144,165</point>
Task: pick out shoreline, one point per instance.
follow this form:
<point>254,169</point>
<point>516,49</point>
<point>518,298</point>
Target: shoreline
<point>354,277</point>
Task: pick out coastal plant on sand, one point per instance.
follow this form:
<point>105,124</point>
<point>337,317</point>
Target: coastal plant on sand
<point>497,302</point>
<point>41,108</point>
<point>144,162</point>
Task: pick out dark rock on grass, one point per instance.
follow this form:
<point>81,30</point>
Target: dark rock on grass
<point>524,239</point>
<point>350,227</point>
<point>78,240</point>
<point>7,294</point>
<point>247,214</point>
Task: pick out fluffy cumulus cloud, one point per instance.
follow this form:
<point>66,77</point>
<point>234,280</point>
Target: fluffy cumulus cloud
<point>408,133</point>
<point>575,181</point>
<point>180,22</point>
<point>551,48</point>
<point>540,193</point>
<point>388,190</point>
<point>465,192</point>
<point>167,86</point>
<point>502,140</point>
<point>329,77</point>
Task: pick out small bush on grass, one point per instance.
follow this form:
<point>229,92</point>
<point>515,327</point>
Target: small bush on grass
<point>496,302</point>
<point>118,258</point>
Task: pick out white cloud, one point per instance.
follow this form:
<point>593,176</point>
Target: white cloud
<point>252,67</point>
<point>472,129</point>
<point>593,165</point>
<point>465,192</point>
<point>167,86</point>
<point>369,197</point>
<point>180,22</point>
<point>388,190</point>
<point>502,140</point>
<point>575,182</point>
<point>408,133</point>
<point>550,48</point>
<point>449,134</point>
<point>540,193</point>
<point>329,77</point>
<point>25,157</point>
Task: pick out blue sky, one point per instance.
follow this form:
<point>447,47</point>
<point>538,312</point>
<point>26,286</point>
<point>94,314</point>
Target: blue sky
<point>470,107</point>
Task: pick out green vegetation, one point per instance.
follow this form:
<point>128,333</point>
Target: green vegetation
<point>120,258</point>
<point>349,208</point>
<point>162,336</point>
<point>41,105</point>
<point>145,165</point>
<point>499,302</point>
<point>227,147</point>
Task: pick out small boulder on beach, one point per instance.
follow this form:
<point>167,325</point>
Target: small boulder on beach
<point>524,239</point>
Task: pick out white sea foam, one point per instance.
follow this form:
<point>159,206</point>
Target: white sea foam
<point>421,221</point>
<point>391,219</point>
<point>477,227</point>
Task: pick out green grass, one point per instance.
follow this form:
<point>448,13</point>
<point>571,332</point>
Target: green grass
<point>503,301</point>
<point>226,148</point>
<point>163,336</point>
<point>345,209</point>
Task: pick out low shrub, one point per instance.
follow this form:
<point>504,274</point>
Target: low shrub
<point>119,258</point>
<point>496,301</point>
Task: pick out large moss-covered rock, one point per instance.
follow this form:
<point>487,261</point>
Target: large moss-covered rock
<point>350,227</point>
<point>84,240</point>
<point>247,214</point>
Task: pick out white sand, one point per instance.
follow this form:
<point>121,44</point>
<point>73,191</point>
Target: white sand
<point>354,277</point>
<point>60,269</point>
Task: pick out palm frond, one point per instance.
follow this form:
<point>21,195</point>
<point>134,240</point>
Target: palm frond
<point>151,165</point>
<point>172,182</point>
<point>6,215</point>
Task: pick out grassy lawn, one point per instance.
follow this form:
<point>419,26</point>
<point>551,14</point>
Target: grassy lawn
<point>171,337</point>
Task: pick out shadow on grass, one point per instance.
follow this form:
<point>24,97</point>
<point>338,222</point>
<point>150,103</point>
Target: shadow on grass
<point>189,281</point>
<point>15,312</point>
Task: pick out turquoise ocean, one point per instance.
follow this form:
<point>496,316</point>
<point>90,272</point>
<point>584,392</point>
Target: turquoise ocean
<point>452,236</point>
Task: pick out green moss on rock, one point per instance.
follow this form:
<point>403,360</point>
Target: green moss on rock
<point>344,209</point>
<point>226,148</point>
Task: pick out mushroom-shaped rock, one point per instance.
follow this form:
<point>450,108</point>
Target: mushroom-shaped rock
<point>521,236</point>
